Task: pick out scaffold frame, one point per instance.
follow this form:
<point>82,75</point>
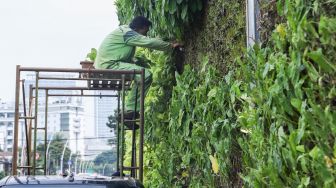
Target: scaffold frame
<point>97,79</point>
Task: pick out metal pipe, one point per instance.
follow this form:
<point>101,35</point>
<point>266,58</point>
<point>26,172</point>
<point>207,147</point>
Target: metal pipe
<point>74,95</point>
<point>24,166</point>
<point>118,131</point>
<point>122,126</point>
<point>30,126</point>
<point>46,69</point>
<point>25,115</point>
<point>133,158</point>
<point>75,88</point>
<point>99,79</point>
<point>16,121</point>
<point>45,131</point>
<point>35,122</point>
<point>131,167</point>
<point>142,123</point>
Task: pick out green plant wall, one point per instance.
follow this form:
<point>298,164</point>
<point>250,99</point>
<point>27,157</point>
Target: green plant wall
<point>263,117</point>
<point>218,32</point>
<point>289,107</point>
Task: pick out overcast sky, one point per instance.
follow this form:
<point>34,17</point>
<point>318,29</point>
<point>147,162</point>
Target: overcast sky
<point>49,33</point>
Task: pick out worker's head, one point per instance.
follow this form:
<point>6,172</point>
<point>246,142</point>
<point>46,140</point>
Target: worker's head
<point>140,24</point>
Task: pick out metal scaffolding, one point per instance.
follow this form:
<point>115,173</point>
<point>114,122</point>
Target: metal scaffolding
<point>97,79</point>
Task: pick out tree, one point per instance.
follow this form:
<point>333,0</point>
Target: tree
<point>112,120</point>
<point>55,153</point>
<point>106,157</point>
<point>2,174</point>
<point>112,123</point>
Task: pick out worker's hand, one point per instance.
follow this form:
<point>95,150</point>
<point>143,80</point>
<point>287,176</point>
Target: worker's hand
<point>176,45</point>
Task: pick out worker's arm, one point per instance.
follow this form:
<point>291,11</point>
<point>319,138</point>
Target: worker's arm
<point>133,38</point>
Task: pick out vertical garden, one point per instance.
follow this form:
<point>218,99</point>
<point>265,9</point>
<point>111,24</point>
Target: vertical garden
<point>259,117</point>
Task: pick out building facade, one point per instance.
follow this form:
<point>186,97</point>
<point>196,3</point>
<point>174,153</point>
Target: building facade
<point>7,127</point>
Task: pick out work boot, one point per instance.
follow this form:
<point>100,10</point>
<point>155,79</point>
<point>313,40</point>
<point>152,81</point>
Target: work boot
<point>128,115</point>
<point>117,173</point>
<point>129,125</point>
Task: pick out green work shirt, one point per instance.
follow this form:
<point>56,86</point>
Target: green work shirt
<point>119,46</point>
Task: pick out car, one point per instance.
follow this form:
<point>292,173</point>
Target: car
<point>71,181</point>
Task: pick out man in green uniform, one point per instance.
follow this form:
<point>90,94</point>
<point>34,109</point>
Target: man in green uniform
<point>118,49</point>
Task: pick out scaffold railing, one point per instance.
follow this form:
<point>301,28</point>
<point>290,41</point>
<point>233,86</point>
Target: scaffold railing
<point>97,79</point>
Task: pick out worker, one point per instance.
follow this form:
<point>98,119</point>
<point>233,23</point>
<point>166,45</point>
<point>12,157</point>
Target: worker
<point>117,52</point>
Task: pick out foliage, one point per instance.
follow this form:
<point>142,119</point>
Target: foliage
<point>112,124</point>
<point>196,129</point>
<point>168,16</point>
<point>112,120</point>
<point>164,169</point>
<point>267,114</point>
<point>91,56</point>
<point>2,174</point>
<point>107,157</point>
<point>289,103</point>
<point>55,152</point>
<point>219,33</point>
<point>106,169</point>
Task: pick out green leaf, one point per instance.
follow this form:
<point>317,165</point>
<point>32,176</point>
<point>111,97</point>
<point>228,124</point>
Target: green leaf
<point>296,103</point>
<point>300,148</point>
<point>322,61</point>
<point>184,12</point>
<point>172,7</point>
<point>312,30</point>
<point>265,70</point>
<point>305,181</point>
<point>315,152</point>
<point>163,7</point>
<point>312,72</point>
<point>212,93</point>
<point>179,1</point>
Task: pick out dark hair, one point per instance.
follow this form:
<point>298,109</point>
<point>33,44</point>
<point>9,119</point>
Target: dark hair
<point>140,22</point>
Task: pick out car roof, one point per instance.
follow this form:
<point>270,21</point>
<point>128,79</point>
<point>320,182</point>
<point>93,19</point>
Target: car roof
<point>74,180</point>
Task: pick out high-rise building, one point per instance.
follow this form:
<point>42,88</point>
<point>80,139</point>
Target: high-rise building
<point>104,107</point>
<point>7,127</point>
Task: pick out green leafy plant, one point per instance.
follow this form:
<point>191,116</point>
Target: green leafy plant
<point>168,16</point>
<point>263,117</point>
<point>289,109</point>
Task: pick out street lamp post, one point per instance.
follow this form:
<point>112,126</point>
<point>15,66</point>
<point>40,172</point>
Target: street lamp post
<point>69,162</point>
<point>62,157</point>
<point>76,130</point>
<point>47,152</point>
<point>104,169</point>
<point>76,163</point>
